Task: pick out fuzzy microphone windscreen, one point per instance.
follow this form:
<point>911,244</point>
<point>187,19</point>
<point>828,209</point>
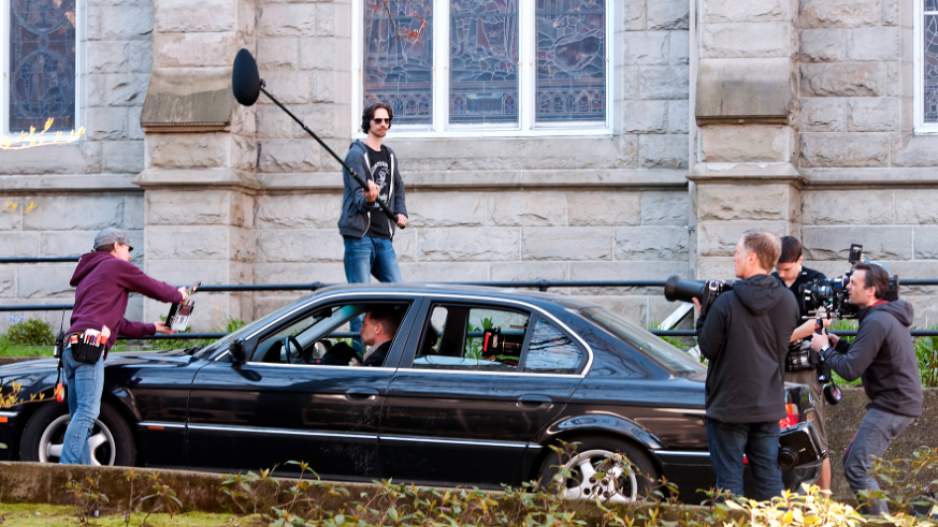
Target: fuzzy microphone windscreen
<point>245,80</point>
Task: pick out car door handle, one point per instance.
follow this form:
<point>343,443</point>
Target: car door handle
<point>535,401</point>
<point>361,393</point>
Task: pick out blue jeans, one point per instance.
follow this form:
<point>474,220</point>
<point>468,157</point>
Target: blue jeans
<point>874,436</point>
<point>370,256</point>
<point>366,257</point>
<point>759,442</point>
<point>85,386</point>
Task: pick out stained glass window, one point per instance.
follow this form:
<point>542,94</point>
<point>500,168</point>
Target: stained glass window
<point>931,62</point>
<point>42,64</point>
<point>571,60</point>
<point>483,61</point>
<point>398,71</point>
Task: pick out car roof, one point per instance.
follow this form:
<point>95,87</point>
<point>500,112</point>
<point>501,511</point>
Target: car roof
<point>535,297</point>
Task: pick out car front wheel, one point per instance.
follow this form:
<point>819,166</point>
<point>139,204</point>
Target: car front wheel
<point>604,467</point>
<point>111,442</point>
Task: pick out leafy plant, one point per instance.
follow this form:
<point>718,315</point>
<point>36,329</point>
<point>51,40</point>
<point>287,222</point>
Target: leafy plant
<point>87,498</point>
<point>164,497</point>
<point>31,332</point>
<point>926,348</point>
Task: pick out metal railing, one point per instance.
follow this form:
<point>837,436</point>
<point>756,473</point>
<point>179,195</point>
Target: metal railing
<point>540,285</point>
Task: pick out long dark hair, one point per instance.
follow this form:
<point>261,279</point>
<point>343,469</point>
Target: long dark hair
<point>369,114</point>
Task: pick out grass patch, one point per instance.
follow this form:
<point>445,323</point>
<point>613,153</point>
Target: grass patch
<point>25,351</point>
<point>42,515</point>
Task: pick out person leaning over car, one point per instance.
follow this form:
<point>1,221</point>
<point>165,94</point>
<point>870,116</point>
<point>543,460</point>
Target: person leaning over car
<point>790,272</point>
<point>103,280</point>
<point>745,338</point>
<point>882,354</point>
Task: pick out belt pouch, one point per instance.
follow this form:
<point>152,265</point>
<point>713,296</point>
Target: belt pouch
<point>86,353</point>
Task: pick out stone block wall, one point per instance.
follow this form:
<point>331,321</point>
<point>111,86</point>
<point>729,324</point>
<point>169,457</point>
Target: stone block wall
<point>652,67</point>
<point>118,59</point>
<point>59,225</point>
<point>856,90</point>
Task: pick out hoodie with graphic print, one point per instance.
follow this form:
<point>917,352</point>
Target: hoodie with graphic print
<point>355,219</point>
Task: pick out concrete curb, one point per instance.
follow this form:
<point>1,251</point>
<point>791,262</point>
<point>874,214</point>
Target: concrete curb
<point>45,483</point>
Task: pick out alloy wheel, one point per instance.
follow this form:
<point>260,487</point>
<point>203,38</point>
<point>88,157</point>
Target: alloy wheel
<point>600,473</point>
<point>101,442</point>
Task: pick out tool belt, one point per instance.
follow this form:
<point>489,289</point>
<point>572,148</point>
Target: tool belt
<point>87,347</point>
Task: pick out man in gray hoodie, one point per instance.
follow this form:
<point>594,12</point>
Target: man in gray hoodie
<point>366,229</point>
<point>745,338</point>
<point>884,357</point>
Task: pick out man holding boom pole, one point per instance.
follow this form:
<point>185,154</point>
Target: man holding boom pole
<point>367,229</point>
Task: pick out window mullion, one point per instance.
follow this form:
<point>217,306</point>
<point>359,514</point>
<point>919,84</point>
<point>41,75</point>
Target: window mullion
<point>441,66</point>
<point>5,76</point>
<point>358,65</point>
<point>527,29</point>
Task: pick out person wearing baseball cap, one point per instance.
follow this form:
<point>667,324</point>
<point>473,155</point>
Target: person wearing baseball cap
<point>103,280</point>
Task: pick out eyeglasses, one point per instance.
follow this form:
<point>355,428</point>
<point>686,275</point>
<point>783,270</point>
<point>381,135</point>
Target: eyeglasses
<point>382,120</point>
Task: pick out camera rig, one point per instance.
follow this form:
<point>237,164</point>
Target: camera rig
<point>832,294</point>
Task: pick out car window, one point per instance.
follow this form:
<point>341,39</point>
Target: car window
<point>552,351</point>
<point>460,337</point>
<point>324,337</point>
<point>655,348</point>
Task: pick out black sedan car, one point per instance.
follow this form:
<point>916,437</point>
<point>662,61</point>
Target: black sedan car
<point>476,385</point>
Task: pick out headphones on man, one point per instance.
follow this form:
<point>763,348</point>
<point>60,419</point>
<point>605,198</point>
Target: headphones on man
<point>369,112</point>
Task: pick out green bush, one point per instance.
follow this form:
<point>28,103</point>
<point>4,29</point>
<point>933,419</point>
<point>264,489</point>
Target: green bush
<point>32,332</point>
<point>926,348</point>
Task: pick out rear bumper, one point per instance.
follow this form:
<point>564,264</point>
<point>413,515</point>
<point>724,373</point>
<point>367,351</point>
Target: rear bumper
<point>691,470</point>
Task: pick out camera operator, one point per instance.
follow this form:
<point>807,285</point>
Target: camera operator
<point>790,272</point>
<point>745,338</point>
<point>884,357</point>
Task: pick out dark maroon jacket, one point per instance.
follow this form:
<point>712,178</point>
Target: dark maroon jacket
<point>103,284</point>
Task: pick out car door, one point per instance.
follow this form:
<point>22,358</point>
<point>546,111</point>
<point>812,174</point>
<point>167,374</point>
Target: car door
<point>273,408</point>
<point>458,412</point>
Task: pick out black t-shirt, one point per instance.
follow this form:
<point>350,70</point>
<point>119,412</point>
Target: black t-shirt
<point>380,164</point>
<point>806,276</point>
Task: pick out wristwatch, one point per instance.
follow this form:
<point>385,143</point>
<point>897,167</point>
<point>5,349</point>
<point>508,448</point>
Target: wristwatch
<point>822,350</point>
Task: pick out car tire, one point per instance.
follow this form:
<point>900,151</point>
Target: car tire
<point>45,429</point>
<point>640,481</point>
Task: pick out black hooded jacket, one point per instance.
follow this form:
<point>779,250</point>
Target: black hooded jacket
<point>884,357</point>
<point>745,338</point>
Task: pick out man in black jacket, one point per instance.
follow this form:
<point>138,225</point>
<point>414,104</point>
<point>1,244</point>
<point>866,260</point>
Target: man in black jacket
<point>745,338</point>
<point>790,271</point>
<point>884,357</point>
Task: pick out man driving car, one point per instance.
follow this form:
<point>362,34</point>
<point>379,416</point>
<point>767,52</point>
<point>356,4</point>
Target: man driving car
<point>377,331</point>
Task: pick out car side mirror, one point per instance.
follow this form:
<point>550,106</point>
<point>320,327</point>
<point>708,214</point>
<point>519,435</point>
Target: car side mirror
<point>236,348</point>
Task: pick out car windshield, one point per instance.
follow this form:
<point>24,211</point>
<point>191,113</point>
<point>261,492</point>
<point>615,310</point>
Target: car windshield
<point>223,342</point>
<point>669,357</point>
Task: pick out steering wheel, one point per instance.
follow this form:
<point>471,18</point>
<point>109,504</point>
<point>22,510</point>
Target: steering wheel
<point>286,347</point>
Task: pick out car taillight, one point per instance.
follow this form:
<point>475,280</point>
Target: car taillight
<point>791,419</point>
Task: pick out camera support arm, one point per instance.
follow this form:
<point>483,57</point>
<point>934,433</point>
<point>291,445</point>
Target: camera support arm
<point>384,206</point>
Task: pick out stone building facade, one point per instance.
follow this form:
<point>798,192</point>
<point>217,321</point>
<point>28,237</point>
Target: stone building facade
<point>719,115</point>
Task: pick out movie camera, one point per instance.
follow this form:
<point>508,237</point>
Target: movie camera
<point>705,291</point>
<point>832,294</point>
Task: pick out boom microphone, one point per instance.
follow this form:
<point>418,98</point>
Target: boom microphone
<point>247,85</point>
<point>245,81</point>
